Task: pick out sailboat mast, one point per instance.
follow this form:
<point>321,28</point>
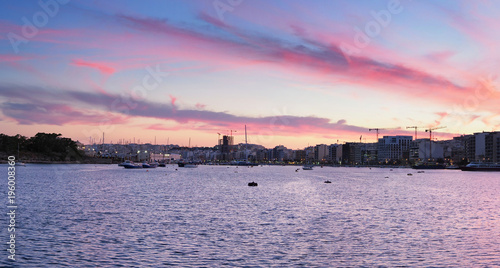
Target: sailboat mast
<point>246,144</point>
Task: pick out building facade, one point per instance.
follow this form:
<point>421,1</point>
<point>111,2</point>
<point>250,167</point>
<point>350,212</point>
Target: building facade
<point>391,148</point>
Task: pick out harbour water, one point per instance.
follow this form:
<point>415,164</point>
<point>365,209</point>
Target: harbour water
<point>107,216</point>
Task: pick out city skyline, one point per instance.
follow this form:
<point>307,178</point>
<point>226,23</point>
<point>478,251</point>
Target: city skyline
<point>294,73</point>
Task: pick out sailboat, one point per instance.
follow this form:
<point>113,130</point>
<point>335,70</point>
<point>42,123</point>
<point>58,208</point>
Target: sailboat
<point>246,162</point>
<point>190,164</point>
<point>19,163</point>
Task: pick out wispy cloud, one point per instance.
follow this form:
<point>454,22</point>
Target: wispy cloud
<point>101,67</point>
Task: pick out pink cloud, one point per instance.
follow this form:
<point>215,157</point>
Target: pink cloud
<point>172,100</point>
<point>103,68</point>
<point>326,61</point>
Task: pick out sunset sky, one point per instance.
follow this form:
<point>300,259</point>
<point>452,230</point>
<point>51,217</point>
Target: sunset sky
<point>295,72</point>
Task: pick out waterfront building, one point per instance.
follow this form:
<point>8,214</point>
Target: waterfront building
<point>321,153</point>
<point>391,148</point>
<point>492,147</point>
<point>334,154</point>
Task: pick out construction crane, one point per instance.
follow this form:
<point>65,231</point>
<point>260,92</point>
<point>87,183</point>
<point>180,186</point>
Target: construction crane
<point>377,130</point>
<point>430,138</point>
<point>415,127</point>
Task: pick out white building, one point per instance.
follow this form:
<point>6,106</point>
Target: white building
<point>394,148</point>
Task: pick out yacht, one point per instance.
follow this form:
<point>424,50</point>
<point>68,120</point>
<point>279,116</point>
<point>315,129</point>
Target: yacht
<point>478,166</point>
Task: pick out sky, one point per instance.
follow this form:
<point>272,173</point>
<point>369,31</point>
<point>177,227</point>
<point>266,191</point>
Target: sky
<point>295,72</point>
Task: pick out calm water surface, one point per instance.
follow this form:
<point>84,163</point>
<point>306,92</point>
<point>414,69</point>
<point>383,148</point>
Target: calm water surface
<point>106,216</point>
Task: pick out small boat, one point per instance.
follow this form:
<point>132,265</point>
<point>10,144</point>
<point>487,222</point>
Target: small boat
<point>126,162</point>
<point>478,166</point>
<point>327,181</point>
<point>252,184</point>
<point>131,165</point>
<point>149,165</point>
<point>307,167</point>
<point>409,174</point>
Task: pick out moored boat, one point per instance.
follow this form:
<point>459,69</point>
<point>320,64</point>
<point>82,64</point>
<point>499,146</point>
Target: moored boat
<point>149,165</point>
<point>126,162</point>
<point>307,167</point>
<point>131,165</point>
